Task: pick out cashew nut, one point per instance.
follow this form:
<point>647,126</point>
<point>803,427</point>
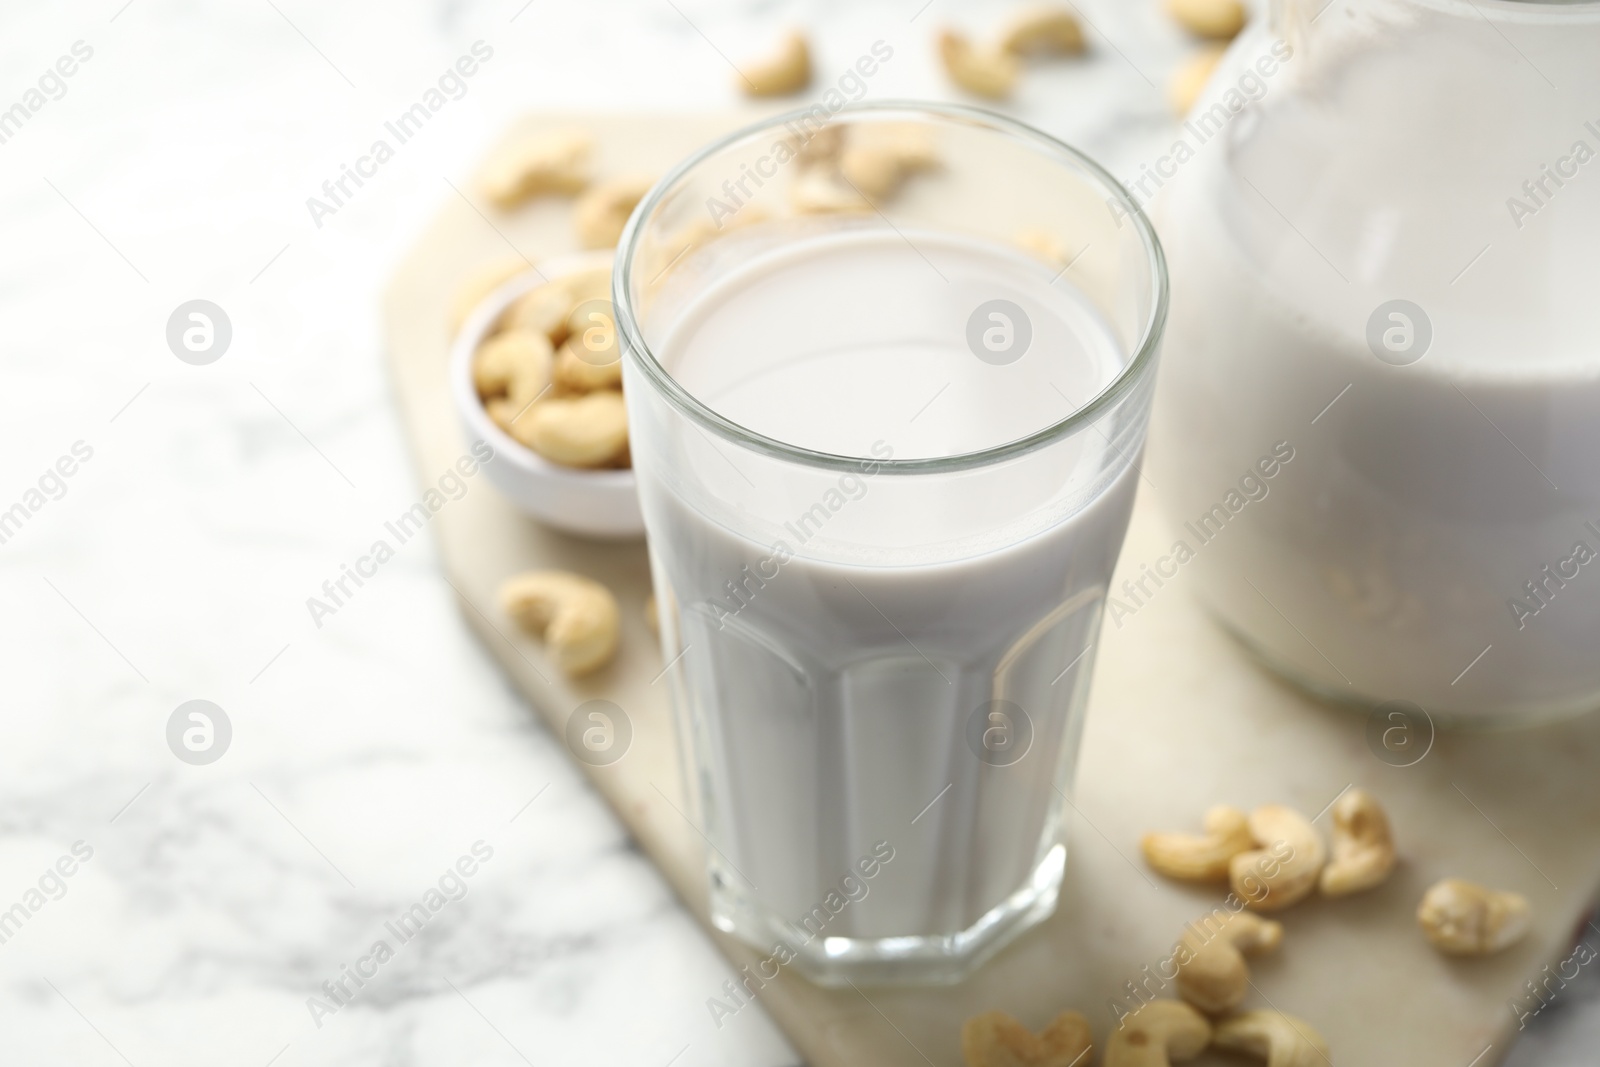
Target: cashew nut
<point>786,71</point>
<point>873,172</point>
<point>1215,19</point>
<point>479,284</point>
<point>575,616</point>
<point>987,71</point>
<point>514,364</point>
<point>819,190</point>
<point>1284,869</point>
<point>1466,919</point>
<point>819,147</point>
<point>575,373</point>
<point>995,1039</point>
<point>503,413</point>
<point>543,309</point>
<point>1212,974</point>
<point>592,330</point>
<point>600,214</point>
<point>838,174</point>
<point>591,284</point>
<point>1281,1040</point>
<point>1161,1032</point>
<point>582,431</point>
<point>547,308</point>
<point>1363,846</point>
<point>879,157</point>
<point>1203,858</point>
<point>516,367</point>
<point>1044,29</point>
<point>1190,79</point>
<point>549,161</point>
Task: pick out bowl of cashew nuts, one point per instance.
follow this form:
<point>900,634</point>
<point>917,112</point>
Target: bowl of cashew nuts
<point>535,371</point>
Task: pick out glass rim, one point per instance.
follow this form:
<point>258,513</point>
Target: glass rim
<point>1131,373</point>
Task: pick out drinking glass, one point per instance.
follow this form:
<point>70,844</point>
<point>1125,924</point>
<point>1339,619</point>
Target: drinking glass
<point>886,419</point>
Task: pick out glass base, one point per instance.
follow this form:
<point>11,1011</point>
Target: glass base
<point>918,960</point>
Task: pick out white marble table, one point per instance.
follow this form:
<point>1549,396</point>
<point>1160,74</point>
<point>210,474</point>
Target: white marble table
<point>207,903</point>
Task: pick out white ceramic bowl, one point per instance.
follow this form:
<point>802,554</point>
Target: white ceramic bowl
<point>598,503</point>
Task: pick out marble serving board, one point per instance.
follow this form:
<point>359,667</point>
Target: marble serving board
<point>1179,719</point>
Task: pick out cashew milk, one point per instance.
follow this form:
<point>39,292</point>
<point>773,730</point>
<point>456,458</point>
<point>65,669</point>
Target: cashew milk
<point>1437,538</point>
<point>849,708</point>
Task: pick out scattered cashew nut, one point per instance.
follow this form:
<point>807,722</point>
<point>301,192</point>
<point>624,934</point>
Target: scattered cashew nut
<point>1212,973</point>
<point>786,71</point>
<point>1190,79</point>
<point>575,616</point>
<point>582,431</point>
<point>1466,919</point>
<point>819,190</point>
<point>600,213</point>
<point>879,157</point>
<point>1281,1040</point>
<point>1219,20</point>
<point>819,147</point>
<point>1044,29</point>
<point>995,1039</point>
<point>549,161</point>
<point>1363,845</point>
<point>1201,858</point>
<point>1161,1032</point>
<point>843,172</point>
<point>1283,870</point>
<point>986,71</point>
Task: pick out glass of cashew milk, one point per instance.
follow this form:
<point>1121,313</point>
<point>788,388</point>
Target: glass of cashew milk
<point>888,371</point>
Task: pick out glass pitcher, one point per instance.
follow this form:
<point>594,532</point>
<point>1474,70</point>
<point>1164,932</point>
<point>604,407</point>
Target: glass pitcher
<point>1377,433</point>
